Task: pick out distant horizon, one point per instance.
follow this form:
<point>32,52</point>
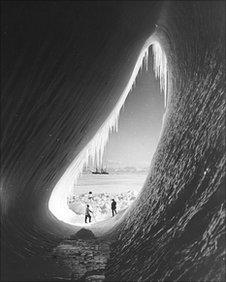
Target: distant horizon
<point>119,168</point>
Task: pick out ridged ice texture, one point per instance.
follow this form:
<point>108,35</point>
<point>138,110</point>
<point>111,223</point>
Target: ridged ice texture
<point>94,150</point>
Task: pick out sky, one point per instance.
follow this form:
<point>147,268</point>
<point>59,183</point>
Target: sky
<point>139,124</point>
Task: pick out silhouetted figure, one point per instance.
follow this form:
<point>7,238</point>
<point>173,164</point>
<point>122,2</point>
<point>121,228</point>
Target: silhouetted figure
<point>87,215</point>
<point>113,207</point>
<point>90,197</point>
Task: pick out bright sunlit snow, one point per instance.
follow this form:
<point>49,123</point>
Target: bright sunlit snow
<point>99,204</point>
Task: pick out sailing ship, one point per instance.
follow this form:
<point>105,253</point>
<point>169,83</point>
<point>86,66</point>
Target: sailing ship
<point>102,171</point>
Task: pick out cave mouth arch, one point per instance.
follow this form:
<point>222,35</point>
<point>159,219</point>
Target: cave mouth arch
<point>94,150</point>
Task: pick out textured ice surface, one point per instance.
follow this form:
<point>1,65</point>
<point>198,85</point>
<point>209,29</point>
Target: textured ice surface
<point>176,230</point>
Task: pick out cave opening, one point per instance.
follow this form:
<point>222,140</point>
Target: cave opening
<point>126,155</point>
<point>116,167</point>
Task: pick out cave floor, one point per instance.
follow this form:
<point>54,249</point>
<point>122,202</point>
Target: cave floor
<point>79,260</point>
<point>82,260</point>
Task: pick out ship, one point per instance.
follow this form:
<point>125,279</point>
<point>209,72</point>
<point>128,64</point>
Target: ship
<point>102,171</point>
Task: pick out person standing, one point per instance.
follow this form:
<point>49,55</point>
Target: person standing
<point>113,207</point>
<point>87,214</point>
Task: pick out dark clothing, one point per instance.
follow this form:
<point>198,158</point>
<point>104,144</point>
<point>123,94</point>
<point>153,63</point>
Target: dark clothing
<point>88,211</point>
<point>113,205</point>
<point>87,216</point>
<point>113,208</point>
<point>114,212</point>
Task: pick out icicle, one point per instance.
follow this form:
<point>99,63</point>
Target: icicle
<point>160,68</point>
<point>94,150</point>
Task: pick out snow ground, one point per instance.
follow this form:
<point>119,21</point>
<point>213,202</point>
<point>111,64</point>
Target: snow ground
<point>100,205</point>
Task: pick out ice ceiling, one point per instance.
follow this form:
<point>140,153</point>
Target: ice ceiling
<point>94,150</point>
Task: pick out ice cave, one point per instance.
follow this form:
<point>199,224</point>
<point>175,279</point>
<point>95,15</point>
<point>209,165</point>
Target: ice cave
<point>94,150</point>
<point>68,68</point>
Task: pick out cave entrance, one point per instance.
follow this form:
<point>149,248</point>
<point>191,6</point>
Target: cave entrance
<point>126,157</point>
<point>142,116</point>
